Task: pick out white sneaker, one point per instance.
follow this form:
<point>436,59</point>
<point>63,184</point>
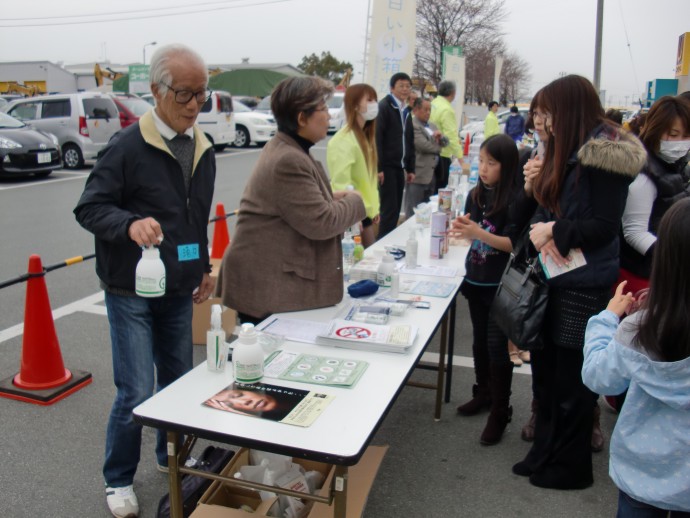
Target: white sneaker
<point>122,501</point>
<point>189,463</point>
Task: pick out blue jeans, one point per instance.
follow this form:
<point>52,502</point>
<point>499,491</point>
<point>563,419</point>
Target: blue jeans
<point>144,333</point>
<point>628,507</point>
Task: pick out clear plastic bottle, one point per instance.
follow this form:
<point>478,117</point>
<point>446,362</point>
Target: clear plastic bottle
<point>348,245</point>
<point>216,348</point>
<point>359,249</point>
<point>454,174</point>
<point>247,356</point>
<point>385,271</point>
<point>411,248</point>
<point>474,172</point>
<point>150,274</point>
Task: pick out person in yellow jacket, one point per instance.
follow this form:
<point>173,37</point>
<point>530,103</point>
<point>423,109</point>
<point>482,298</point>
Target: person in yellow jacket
<point>491,126</point>
<point>443,116</point>
<point>351,155</point>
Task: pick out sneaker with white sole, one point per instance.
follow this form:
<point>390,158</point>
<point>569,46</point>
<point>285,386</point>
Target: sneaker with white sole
<point>189,463</point>
<point>122,501</point>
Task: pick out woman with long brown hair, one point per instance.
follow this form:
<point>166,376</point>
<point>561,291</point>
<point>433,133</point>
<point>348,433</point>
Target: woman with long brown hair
<point>581,191</point>
<point>352,157</point>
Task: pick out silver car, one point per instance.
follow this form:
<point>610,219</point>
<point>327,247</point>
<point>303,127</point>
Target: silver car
<point>82,122</point>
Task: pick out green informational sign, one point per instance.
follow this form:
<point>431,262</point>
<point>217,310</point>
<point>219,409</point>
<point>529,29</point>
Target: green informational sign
<point>452,51</point>
<point>139,79</point>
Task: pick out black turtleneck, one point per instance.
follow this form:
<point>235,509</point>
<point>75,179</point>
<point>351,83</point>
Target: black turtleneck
<point>304,143</point>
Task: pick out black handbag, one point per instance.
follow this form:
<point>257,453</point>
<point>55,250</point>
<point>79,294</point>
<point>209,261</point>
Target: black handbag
<point>519,305</point>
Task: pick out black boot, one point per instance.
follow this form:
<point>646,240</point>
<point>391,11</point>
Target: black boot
<point>528,429</point>
<point>500,379</point>
<point>481,397</point>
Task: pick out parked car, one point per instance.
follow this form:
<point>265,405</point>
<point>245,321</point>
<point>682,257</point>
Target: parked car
<point>249,101</point>
<point>336,111</point>
<point>149,98</point>
<point>216,120</point>
<point>251,126</point>
<point>264,106</point>
<point>83,122</point>
<point>25,151</point>
<point>130,107</point>
<point>476,127</point>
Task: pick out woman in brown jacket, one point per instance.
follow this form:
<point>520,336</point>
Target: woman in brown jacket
<point>286,254</point>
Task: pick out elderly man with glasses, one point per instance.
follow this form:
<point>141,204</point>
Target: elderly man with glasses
<point>152,186</point>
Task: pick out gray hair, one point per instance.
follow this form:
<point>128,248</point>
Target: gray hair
<point>159,73</point>
<point>446,88</point>
<point>295,95</point>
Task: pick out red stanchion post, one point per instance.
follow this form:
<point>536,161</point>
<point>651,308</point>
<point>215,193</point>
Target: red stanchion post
<point>43,378</point>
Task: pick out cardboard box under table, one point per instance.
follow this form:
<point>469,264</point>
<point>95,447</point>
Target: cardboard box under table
<point>223,501</point>
<point>201,316</point>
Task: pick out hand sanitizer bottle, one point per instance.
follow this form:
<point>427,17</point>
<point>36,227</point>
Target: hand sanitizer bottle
<point>247,356</point>
<point>216,348</point>
<point>150,274</point>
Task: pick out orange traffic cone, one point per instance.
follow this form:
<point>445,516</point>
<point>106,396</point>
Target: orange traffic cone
<point>221,236</point>
<point>468,139</point>
<point>43,378</point>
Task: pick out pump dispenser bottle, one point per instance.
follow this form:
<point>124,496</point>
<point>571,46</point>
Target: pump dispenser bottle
<point>216,348</point>
<point>247,356</point>
<point>150,274</point>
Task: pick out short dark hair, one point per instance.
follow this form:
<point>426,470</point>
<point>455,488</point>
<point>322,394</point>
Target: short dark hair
<point>614,115</point>
<point>296,95</point>
<point>418,102</point>
<point>400,76</point>
<point>492,104</point>
<point>513,109</point>
<point>446,88</point>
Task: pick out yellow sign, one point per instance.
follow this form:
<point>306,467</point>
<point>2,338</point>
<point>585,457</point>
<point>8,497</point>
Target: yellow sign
<point>683,59</point>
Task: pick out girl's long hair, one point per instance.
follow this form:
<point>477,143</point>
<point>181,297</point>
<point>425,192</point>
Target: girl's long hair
<point>501,148</point>
<point>664,330</point>
<point>575,110</point>
<point>366,136</point>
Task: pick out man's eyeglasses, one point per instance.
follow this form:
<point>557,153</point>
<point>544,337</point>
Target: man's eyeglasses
<point>184,96</point>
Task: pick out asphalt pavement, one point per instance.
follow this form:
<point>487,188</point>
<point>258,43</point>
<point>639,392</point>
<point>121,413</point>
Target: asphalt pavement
<point>51,456</point>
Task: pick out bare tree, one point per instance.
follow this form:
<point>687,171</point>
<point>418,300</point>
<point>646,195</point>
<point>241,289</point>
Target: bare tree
<point>515,77</point>
<point>442,23</point>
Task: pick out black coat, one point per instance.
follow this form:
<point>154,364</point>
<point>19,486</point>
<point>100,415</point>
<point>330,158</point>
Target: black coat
<point>394,146</point>
<point>138,177</point>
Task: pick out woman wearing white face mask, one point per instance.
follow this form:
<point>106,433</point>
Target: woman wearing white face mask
<point>665,179</point>
<point>351,156</point>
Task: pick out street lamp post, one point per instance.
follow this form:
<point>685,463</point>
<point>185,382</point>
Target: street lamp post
<point>147,45</point>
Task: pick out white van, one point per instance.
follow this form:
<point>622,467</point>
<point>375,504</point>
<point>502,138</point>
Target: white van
<point>83,122</point>
<point>216,120</point>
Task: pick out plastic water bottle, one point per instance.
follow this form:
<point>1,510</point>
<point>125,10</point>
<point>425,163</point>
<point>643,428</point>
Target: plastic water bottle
<point>247,356</point>
<point>454,174</point>
<point>474,172</point>
<point>460,197</point>
<point>150,274</point>
<point>359,249</point>
<point>348,245</point>
<point>411,248</point>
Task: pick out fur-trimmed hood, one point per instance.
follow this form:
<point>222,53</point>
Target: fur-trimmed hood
<point>613,150</point>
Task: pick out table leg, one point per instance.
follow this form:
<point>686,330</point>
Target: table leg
<point>441,366</point>
<point>340,496</point>
<point>451,349</point>
<point>174,476</point>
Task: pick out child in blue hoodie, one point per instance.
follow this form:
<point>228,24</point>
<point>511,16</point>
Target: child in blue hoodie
<point>649,355</point>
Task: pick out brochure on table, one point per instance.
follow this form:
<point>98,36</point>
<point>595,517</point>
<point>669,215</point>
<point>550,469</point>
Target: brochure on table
<point>369,337</point>
<point>281,404</point>
<point>318,370</point>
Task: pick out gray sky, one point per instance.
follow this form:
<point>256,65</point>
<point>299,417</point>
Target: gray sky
<point>553,36</point>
